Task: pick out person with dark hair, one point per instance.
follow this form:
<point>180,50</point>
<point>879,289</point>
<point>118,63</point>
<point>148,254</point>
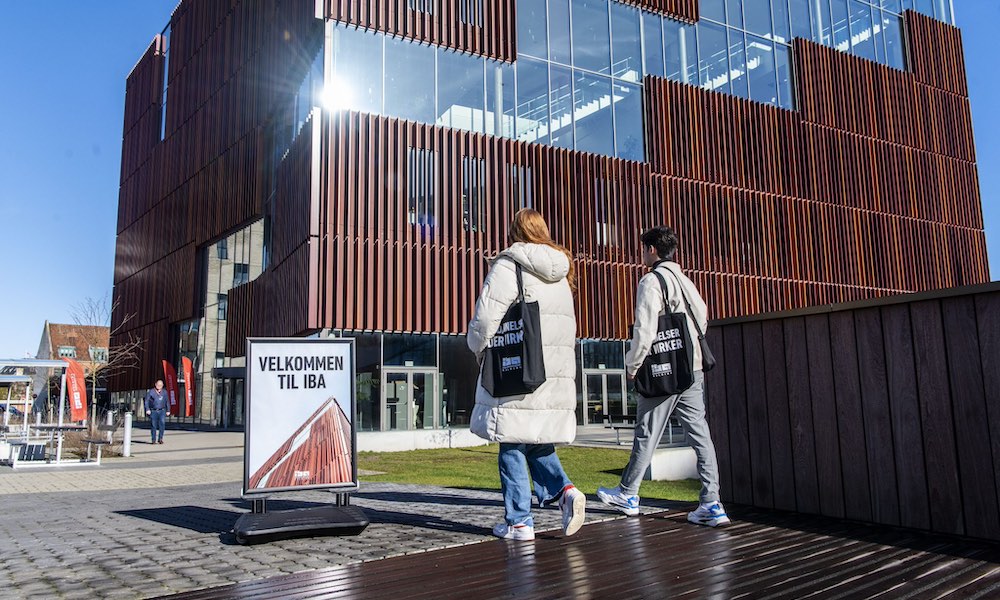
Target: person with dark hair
<point>659,248</point>
<point>528,426</point>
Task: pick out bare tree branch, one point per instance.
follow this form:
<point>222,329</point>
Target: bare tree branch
<point>124,350</point>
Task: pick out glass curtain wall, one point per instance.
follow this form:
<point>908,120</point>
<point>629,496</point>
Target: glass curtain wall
<point>231,261</point>
<point>577,80</point>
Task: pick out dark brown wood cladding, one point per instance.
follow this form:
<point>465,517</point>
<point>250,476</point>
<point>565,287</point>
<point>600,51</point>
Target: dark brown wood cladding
<point>490,31</point>
<point>935,53</point>
<point>229,65</point>
<point>682,10</point>
<point>879,413</point>
<point>869,189</point>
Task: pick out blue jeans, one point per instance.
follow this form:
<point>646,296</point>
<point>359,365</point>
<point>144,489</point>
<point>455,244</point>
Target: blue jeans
<point>158,422</point>
<point>519,465</point>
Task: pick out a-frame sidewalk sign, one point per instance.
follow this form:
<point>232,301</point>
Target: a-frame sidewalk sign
<point>299,435</point>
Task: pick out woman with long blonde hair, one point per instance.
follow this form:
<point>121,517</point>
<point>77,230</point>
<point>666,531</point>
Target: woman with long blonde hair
<point>528,426</point>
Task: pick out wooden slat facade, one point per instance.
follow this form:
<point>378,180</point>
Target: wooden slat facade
<point>886,410</point>
<point>230,65</point>
<point>481,27</point>
<point>382,224</point>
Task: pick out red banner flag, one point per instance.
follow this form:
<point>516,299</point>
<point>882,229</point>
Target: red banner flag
<point>170,379</point>
<point>188,369</point>
<point>76,390</point>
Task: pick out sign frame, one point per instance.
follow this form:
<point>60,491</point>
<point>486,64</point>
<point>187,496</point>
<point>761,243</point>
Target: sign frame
<point>258,342</point>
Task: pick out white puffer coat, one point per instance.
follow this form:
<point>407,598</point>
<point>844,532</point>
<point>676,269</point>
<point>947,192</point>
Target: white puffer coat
<point>547,415</point>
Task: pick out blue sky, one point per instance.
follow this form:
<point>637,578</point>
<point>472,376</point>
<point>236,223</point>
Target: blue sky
<point>62,85</point>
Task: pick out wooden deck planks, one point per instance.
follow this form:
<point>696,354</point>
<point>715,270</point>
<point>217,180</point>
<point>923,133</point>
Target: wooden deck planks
<point>764,554</point>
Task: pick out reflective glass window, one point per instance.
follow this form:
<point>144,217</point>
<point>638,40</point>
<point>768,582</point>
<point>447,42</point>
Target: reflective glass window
<point>841,30</point>
<point>714,52</point>
<point>606,355</point>
<point>924,6</point>
<point>591,38</point>
<point>627,100</point>
<point>680,51</point>
<point>799,18</point>
<point>652,45</point>
<point>532,101</point>
<point>398,349</point>
<point>559,42</point>
<point>821,21</point>
<point>531,24</point>
<point>358,64</point>
<point>942,10</point>
<point>592,108</point>
<point>878,37</point>
<point>712,9</point>
<point>561,107</point>
<point>738,64</point>
<point>459,373</point>
<point>734,13</point>
<point>758,16</point>
<point>626,43</point>
<point>893,5</point>
<point>760,68</point>
<point>862,36</point>
<point>782,62</point>
<point>892,26</point>
<point>782,30</point>
<point>460,91</point>
<point>367,362</point>
<point>500,99</point>
<point>409,68</point>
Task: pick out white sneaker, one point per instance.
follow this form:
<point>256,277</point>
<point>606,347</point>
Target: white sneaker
<point>573,505</point>
<point>712,515</point>
<point>614,498</point>
<point>514,532</point>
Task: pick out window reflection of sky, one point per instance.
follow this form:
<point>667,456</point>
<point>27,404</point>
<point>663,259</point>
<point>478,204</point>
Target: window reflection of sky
<point>577,80</point>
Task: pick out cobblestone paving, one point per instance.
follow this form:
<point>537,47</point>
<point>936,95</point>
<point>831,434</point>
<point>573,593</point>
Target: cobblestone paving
<point>162,524</point>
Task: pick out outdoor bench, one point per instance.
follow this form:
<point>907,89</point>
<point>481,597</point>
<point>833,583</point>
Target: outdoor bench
<point>618,422</point>
<point>105,437</point>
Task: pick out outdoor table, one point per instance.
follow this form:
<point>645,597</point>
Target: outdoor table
<point>55,433</point>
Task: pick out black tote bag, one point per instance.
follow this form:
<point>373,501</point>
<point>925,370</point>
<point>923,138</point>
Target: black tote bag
<point>668,368</point>
<point>513,364</point>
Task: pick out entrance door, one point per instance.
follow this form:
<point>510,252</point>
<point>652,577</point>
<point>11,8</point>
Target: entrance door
<point>411,399</point>
<point>605,394</point>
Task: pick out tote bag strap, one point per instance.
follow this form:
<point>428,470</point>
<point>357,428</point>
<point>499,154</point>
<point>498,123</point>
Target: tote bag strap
<point>520,281</point>
<point>687,303</point>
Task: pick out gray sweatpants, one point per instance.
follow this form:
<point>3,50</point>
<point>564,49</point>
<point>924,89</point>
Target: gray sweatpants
<point>652,416</point>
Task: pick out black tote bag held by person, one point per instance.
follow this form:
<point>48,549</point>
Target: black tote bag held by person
<point>668,368</point>
<point>513,364</point>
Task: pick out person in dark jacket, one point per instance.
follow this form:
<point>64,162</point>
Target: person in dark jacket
<point>157,405</point>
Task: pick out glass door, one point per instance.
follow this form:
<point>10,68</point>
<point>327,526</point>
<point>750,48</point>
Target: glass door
<point>411,399</point>
<point>605,394</point>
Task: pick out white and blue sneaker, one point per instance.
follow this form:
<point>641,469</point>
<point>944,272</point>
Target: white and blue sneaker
<point>615,498</point>
<point>520,532</point>
<point>574,506</point>
<point>711,514</point>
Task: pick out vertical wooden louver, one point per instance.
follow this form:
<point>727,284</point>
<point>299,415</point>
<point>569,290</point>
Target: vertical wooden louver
<point>869,188</point>
<point>483,27</point>
<point>682,10</point>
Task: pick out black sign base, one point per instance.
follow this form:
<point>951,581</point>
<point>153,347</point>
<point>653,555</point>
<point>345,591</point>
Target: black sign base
<point>257,528</point>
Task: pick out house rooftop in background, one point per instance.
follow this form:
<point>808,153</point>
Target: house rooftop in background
<point>83,343</point>
<point>294,166</point>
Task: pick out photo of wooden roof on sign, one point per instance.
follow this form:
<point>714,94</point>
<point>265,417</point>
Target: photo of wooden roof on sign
<point>318,453</point>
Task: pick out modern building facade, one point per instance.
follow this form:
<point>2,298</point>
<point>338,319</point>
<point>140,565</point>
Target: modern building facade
<point>291,167</point>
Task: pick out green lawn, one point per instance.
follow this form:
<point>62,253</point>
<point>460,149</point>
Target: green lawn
<point>476,468</point>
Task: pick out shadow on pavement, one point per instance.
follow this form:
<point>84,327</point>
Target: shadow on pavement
<point>195,518</point>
